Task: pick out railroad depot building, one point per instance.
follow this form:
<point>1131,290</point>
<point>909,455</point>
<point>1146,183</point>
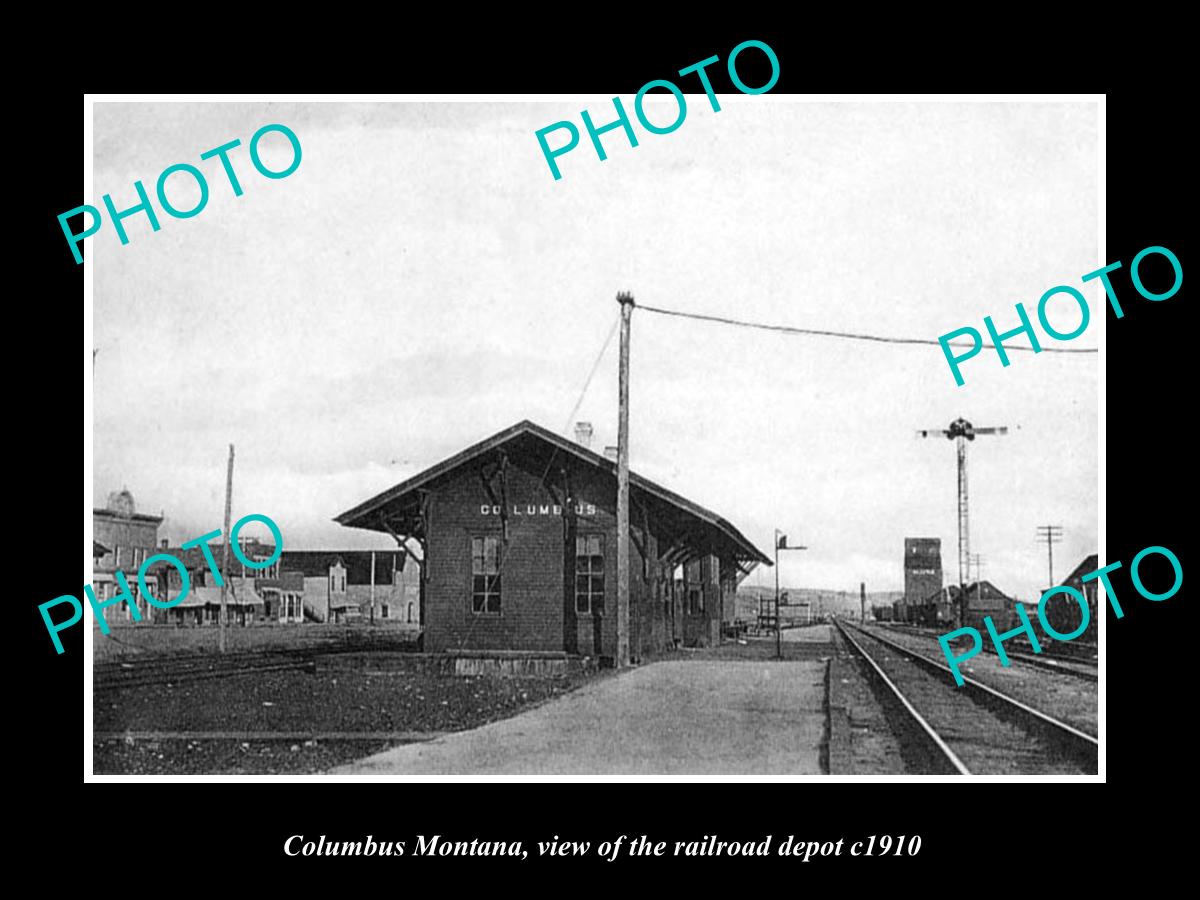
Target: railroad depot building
<point>517,542</point>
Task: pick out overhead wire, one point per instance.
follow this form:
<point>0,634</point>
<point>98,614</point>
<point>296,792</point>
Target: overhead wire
<point>820,332</point>
<point>591,375</point>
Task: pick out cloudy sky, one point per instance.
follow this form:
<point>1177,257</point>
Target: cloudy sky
<point>421,282</point>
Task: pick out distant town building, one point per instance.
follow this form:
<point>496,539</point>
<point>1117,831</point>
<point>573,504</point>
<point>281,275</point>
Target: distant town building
<point>166,582</point>
<point>127,538</point>
<point>1062,610</point>
<point>301,586</point>
<point>338,585</point>
<point>202,605</point>
<point>283,597</point>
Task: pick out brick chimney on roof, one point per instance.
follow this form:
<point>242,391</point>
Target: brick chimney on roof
<point>583,434</point>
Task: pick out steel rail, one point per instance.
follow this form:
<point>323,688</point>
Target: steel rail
<point>1075,737</point>
<point>1049,661</point>
<point>165,675</point>
<point>933,736</point>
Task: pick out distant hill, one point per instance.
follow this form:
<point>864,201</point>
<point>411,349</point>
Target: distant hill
<point>825,601</point>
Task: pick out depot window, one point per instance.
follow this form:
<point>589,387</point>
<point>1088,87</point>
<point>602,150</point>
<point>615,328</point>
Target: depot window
<point>589,573</point>
<point>485,574</point>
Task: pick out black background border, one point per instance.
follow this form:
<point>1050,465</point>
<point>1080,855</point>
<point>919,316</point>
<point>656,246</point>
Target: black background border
<point>986,830</point>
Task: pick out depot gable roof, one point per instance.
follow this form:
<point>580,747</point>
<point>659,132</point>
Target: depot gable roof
<point>367,514</point>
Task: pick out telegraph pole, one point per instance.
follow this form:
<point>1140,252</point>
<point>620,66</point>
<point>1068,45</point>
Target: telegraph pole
<point>977,562</point>
<point>225,547</point>
<point>626,300</point>
<point>1051,534</point>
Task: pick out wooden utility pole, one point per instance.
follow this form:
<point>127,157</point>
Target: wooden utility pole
<point>1051,534</point>
<point>627,304</point>
<point>225,546</point>
<point>862,602</point>
<point>372,587</point>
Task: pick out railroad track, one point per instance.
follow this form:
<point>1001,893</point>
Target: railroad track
<point>973,729</point>
<point>175,670</point>
<point>1053,661</point>
<point>1076,651</point>
<point>1064,665</point>
<point>136,671</point>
